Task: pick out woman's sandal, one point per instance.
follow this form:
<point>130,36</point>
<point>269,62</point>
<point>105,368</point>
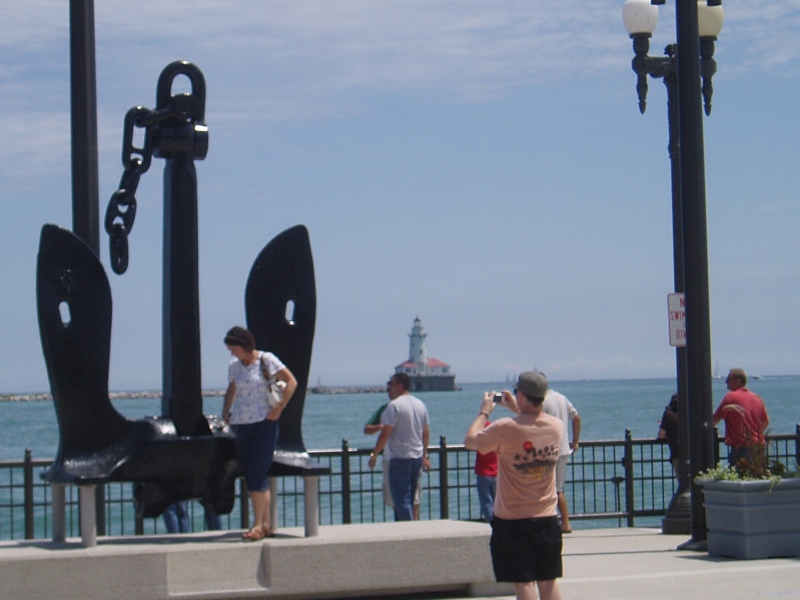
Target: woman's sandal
<point>255,534</point>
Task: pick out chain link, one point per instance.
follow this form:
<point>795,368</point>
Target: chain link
<point>121,210</point>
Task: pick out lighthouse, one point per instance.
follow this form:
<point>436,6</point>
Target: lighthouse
<point>427,374</point>
<point>418,346</point>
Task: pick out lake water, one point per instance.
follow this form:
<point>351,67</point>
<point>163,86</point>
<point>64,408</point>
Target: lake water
<point>607,409</point>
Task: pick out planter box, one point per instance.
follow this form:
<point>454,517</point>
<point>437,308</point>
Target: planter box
<point>747,519</point>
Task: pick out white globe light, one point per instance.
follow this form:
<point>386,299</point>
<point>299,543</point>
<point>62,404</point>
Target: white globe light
<point>639,16</point>
<point>709,19</point>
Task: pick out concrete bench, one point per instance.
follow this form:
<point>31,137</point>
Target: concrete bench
<point>343,561</point>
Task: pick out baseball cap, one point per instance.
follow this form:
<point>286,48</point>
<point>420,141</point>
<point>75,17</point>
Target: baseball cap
<point>533,384</point>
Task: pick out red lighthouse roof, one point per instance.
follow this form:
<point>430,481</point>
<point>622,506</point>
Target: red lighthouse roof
<point>432,362</point>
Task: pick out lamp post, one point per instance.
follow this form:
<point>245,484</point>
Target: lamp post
<point>83,128</point>
<point>697,27</point>
<point>83,93</point>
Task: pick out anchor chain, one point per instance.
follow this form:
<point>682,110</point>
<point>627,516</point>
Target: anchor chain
<point>121,210</point>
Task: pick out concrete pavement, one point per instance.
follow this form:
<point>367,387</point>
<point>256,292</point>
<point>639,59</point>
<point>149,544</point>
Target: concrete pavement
<point>644,564</point>
<point>601,564</point>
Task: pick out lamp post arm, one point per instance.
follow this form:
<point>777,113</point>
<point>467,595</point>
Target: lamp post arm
<point>641,46</point>
<point>643,65</point>
<point>708,66</point>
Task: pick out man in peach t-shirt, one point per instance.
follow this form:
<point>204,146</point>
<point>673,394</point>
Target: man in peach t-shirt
<point>526,533</point>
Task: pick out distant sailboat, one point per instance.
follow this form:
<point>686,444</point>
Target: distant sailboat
<point>715,375</point>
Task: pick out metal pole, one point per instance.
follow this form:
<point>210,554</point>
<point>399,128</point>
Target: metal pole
<point>444,492</point>
<point>59,509</point>
<point>311,501</point>
<point>693,201</point>
<point>85,187</point>
<point>83,87</point>
<point>346,498</point>
<point>678,515</point>
<point>27,478</point>
<point>627,463</point>
<point>88,512</point>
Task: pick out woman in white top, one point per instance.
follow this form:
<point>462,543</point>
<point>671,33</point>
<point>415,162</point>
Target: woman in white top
<point>255,422</point>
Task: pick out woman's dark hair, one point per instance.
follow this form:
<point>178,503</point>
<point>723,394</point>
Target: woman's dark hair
<point>239,336</point>
<point>673,403</point>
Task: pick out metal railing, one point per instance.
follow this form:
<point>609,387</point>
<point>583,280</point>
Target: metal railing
<point>608,482</point>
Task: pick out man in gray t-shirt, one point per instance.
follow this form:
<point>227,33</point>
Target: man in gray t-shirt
<point>557,405</point>
<point>406,432</point>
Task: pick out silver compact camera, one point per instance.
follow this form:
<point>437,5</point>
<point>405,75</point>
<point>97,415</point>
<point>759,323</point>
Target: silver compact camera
<point>498,398</point>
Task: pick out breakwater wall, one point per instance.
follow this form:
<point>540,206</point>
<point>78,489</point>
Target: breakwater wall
<point>151,394</point>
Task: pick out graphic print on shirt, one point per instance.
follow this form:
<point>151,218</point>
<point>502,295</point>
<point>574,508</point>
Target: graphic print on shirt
<point>536,462</point>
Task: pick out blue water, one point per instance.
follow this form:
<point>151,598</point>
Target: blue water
<point>607,409</point>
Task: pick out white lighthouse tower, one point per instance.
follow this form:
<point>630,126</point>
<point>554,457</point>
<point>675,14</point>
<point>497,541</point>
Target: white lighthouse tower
<point>418,346</point>
<point>427,374</point>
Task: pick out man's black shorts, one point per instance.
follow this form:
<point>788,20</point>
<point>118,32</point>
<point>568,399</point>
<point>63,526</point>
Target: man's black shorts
<point>526,550</point>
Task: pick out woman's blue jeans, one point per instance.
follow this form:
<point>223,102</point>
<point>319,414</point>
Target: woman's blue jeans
<point>176,517</point>
<point>255,443</point>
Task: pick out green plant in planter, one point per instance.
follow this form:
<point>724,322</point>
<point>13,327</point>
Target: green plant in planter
<point>758,467</point>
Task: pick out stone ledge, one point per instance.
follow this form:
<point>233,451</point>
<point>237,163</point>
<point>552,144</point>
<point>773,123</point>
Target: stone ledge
<point>342,561</point>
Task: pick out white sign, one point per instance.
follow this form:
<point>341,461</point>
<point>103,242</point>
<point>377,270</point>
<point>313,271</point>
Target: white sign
<point>677,320</point>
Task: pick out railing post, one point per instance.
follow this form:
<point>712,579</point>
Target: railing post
<point>444,499</point>
<point>797,443</point>
<point>27,470</point>
<point>100,506</point>
<point>346,515</point>
<point>244,506</point>
<point>628,462</point>
<point>273,505</point>
<point>138,524</point>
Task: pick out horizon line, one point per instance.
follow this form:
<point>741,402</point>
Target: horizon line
<point>126,393</point>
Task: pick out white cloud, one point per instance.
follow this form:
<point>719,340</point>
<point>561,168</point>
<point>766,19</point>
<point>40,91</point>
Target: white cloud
<point>300,56</point>
<point>295,60</point>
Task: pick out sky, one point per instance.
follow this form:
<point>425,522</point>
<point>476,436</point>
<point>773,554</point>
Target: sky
<point>482,165</point>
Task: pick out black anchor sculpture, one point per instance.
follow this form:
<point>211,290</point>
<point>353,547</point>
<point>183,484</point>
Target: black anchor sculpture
<point>182,454</point>
<point>97,444</point>
<point>281,307</point>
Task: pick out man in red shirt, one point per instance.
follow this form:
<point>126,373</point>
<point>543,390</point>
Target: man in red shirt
<point>486,482</point>
<point>745,417</point>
